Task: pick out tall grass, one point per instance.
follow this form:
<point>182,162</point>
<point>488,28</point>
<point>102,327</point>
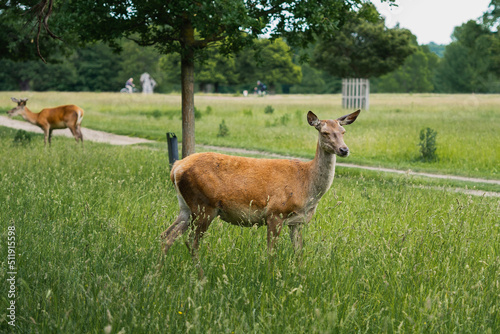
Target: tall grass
<point>381,255</point>
<point>386,135</point>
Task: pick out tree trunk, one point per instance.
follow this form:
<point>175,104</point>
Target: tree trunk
<point>24,85</point>
<point>272,89</point>
<point>187,83</point>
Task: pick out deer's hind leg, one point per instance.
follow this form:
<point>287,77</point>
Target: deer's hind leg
<point>178,228</point>
<point>200,223</point>
<point>74,132</point>
<point>79,133</point>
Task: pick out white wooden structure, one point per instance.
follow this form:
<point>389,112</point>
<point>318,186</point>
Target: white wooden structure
<point>356,93</point>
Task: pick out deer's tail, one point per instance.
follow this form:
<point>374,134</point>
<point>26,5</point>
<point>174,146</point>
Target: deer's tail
<point>80,116</point>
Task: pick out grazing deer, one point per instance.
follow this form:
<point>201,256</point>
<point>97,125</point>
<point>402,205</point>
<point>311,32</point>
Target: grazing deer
<point>62,117</point>
<point>248,191</point>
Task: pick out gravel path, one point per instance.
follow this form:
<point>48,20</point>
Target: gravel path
<point>342,164</point>
<point>105,137</point>
<point>88,134</point>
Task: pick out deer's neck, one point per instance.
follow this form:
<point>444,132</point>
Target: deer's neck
<point>30,116</point>
<point>323,171</point>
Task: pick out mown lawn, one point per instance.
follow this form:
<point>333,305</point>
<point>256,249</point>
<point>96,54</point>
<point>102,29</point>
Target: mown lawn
<point>387,135</point>
<point>382,253</point>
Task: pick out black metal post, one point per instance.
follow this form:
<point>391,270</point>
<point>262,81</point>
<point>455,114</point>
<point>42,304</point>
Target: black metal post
<point>173,149</point>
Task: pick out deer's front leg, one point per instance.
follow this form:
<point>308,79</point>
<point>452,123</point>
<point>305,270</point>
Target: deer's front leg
<point>45,136</point>
<point>50,137</point>
<point>46,132</point>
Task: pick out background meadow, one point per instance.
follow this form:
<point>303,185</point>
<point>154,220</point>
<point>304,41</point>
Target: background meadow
<point>384,253</point>
<point>387,135</point>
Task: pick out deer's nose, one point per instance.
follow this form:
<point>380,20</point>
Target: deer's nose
<point>344,151</point>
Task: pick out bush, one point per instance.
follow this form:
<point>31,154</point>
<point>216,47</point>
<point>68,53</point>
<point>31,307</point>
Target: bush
<point>22,137</point>
<point>197,113</point>
<point>156,113</point>
<point>223,129</point>
<point>428,144</point>
<point>300,116</point>
<point>283,120</point>
<point>269,110</point>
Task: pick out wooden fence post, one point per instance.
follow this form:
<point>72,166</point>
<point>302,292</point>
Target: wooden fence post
<point>355,93</point>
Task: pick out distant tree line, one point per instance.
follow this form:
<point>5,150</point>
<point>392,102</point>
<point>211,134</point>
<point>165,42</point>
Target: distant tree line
<point>363,47</point>
<point>98,68</point>
<point>470,64</point>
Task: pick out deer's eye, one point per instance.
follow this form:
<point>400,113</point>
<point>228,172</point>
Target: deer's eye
<point>324,133</point>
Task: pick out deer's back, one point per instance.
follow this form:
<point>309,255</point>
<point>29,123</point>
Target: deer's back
<point>61,115</point>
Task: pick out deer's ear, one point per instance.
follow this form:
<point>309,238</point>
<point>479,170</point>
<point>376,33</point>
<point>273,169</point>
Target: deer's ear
<point>312,119</point>
<point>348,119</point>
<point>14,100</point>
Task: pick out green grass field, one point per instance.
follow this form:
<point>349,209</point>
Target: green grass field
<point>387,135</point>
<point>382,254</point>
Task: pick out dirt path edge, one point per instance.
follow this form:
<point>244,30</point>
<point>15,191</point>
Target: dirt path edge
<point>113,139</point>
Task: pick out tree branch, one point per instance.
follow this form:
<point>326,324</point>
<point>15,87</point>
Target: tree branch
<point>202,43</point>
<point>140,42</point>
<point>42,11</point>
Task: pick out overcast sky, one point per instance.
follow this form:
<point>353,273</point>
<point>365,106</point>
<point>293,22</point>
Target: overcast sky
<point>432,20</point>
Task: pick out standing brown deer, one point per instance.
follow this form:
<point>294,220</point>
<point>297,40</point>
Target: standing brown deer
<point>248,191</point>
<point>62,117</point>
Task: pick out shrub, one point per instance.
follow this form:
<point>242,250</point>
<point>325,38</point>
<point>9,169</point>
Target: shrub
<point>269,110</point>
<point>208,111</point>
<point>156,113</point>
<point>283,120</point>
<point>197,113</point>
<point>428,144</point>
<point>299,116</point>
<point>22,137</point>
<point>223,129</point>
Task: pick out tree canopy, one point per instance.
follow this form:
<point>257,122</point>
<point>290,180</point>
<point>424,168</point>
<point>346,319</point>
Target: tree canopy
<point>187,27</point>
<point>269,62</point>
<point>19,39</point>
<point>468,62</point>
<point>415,75</point>
<point>82,61</point>
<point>492,15</point>
<point>364,47</point>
